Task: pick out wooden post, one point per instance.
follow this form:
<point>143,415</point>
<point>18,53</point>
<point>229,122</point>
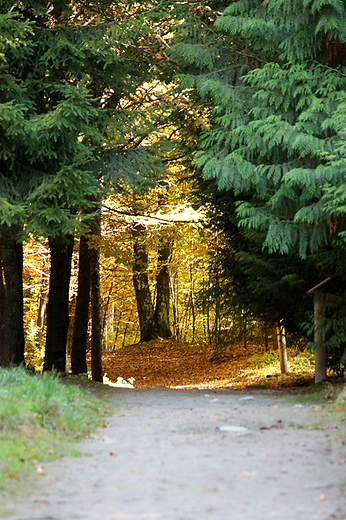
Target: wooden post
<point>282,349</point>
<point>320,351</point>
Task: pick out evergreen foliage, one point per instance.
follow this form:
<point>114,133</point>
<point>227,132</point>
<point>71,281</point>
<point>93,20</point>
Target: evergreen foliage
<point>275,89</point>
<point>280,134</point>
<point>64,121</point>
<point>75,115</point>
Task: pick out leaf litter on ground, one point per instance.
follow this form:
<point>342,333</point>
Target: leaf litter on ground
<point>193,365</point>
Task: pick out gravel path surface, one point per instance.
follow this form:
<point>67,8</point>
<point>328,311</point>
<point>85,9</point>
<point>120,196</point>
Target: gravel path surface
<point>198,455</point>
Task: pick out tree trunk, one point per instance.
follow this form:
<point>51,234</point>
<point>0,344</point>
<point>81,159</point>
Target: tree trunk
<point>108,314</point>
<point>57,309</point>
<point>96,338</point>
<point>12,298</point>
<point>162,289</point>
<point>81,319</point>
<point>174,307</point>
<point>44,293</point>
<point>108,327</point>
<point>4,352</point>
<point>193,310</point>
<point>244,316</point>
<point>266,337</point>
<point>281,335</point>
<point>141,286</point>
<point>320,352</point>
<point>275,338</point>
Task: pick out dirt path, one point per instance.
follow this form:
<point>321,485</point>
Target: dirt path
<point>198,455</point>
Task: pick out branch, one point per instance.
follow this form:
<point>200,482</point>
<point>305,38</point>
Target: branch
<point>134,215</point>
<point>230,47</point>
<point>327,67</point>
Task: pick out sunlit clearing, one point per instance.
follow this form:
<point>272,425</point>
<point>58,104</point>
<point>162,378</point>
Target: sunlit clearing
<point>121,382</point>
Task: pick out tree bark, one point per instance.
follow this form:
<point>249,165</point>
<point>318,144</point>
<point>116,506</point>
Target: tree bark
<point>108,327</point>
<point>11,296</point>
<point>174,307</point>
<point>44,293</point>
<point>266,337</point>
<point>163,289</point>
<point>61,249</point>
<point>275,338</point>
<point>193,310</point>
<point>282,349</point>
<point>96,338</point>
<point>141,286</point>
<point>244,316</point>
<point>320,352</point>
<point>81,320</point>
<point>4,352</point>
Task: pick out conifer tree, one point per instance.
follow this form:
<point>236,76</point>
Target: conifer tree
<point>64,123</point>
<point>276,87</point>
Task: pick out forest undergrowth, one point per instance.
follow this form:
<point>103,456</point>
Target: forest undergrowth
<point>195,365</point>
<point>41,419</point>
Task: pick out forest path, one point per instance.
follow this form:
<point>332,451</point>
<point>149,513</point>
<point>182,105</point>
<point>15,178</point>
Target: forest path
<point>179,455</point>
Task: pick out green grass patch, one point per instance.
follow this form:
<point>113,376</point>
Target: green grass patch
<point>268,363</point>
<point>40,418</point>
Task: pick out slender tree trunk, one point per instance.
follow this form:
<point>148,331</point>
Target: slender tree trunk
<point>4,350</point>
<point>275,338</point>
<point>96,338</point>
<point>208,311</point>
<point>117,328</point>
<point>124,337</point>
<point>320,352</point>
<point>217,305</point>
<point>81,320</point>
<point>245,330</point>
<point>193,310</point>
<point>108,318</point>
<point>44,293</point>
<point>12,297</point>
<point>266,337</point>
<point>57,309</point>
<point>161,315</point>
<point>174,307</point>
<point>204,315</point>
<point>185,318</point>
<point>141,286</point>
<point>282,349</point>
<point>108,326</point>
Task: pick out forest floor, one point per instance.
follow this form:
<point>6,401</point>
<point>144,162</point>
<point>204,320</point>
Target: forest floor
<point>203,451</point>
<point>197,365</point>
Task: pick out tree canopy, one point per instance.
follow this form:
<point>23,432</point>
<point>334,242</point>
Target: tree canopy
<point>248,98</point>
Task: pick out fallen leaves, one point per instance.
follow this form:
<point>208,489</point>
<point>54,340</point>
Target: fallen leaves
<point>188,365</point>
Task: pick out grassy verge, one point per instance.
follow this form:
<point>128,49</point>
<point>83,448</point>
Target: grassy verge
<point>39,419</point>
<point>263,366</point>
